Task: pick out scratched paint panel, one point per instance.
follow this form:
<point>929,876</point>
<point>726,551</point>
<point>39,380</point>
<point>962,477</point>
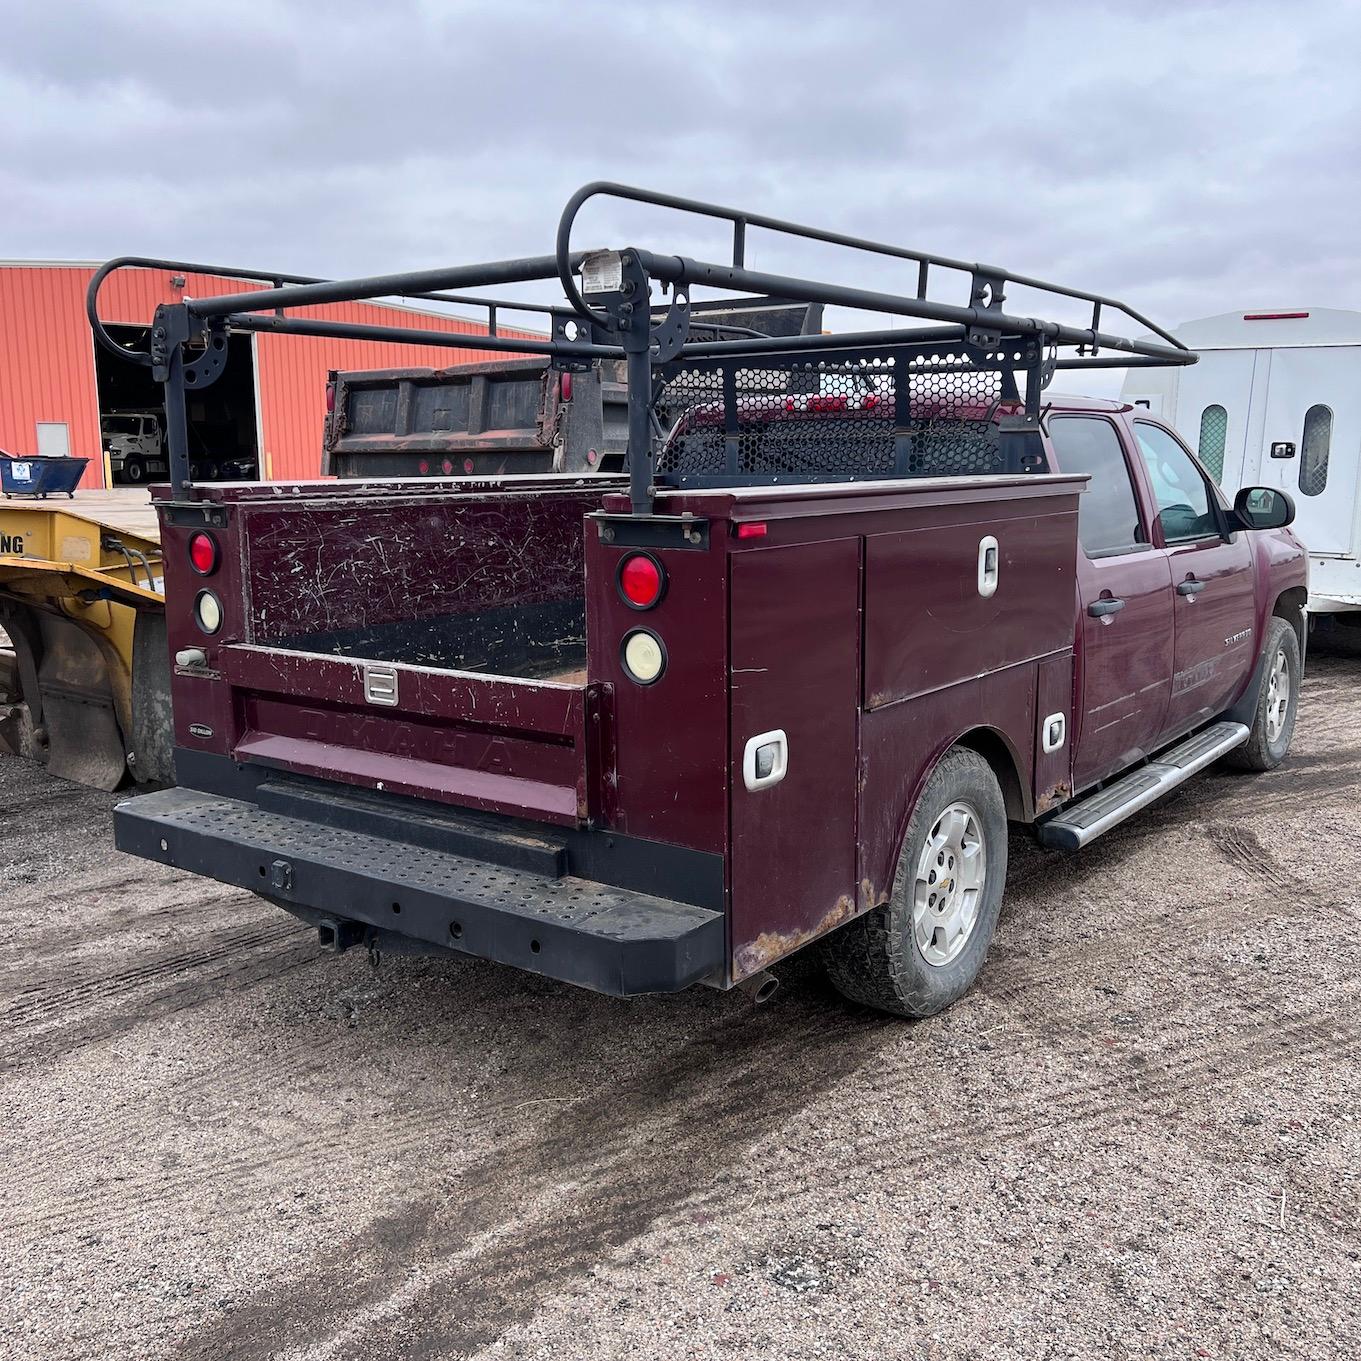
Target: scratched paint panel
<point>319,566</point>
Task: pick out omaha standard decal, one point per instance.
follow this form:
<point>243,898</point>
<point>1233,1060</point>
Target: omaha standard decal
<point>1192,677</point>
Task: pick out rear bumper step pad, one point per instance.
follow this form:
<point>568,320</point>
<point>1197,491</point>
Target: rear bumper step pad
<point>1085,820</point>
<point>612,940</point>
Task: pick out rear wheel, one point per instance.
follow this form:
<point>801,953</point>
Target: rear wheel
<point>1339,633</point>
<point>923,948</point>
<point>1273,724</point>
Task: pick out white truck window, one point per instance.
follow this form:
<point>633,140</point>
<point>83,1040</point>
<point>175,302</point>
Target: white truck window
<point>1214,430</point>
<point>1318,435</point>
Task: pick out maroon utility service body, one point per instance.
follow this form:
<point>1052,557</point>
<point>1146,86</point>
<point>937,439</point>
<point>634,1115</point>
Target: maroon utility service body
<point>445,714</point>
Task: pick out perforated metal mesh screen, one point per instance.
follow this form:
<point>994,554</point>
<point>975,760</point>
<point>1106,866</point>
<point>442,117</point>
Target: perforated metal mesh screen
<point>1314,449</point>
<point>1214,429</point>
<point>831,419</point>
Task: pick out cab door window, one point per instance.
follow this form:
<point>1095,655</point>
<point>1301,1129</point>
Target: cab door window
<point>1108,519</point>
<point>1186,511</point>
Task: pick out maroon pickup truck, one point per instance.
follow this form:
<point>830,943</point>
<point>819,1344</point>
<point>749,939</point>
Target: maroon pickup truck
<point>858,602</point>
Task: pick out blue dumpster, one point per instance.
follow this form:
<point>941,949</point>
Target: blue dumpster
<point>39,476</point>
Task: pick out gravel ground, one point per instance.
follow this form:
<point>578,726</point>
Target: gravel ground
<point>1138,1136</point>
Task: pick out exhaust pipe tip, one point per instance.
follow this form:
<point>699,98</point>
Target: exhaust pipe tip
<point>760,987</point>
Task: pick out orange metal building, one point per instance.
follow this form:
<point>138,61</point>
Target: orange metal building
<point>51,375</point>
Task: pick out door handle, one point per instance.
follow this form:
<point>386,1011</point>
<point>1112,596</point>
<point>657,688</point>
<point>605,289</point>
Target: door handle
<point>1098,609</point>
<point>1191,587</point>
<point>987,566</point>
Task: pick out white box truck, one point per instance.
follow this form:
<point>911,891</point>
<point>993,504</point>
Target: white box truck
<point>1275,401</point>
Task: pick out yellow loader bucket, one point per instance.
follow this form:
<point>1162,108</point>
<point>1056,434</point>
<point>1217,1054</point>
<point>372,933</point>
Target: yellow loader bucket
<point>80,599</point>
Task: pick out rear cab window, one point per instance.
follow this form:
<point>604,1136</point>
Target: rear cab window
<point>1108,517</point>
<point>1187,510</point>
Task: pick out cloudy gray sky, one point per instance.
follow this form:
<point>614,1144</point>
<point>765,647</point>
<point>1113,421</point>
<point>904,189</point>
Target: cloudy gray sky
<point>1190,158</point>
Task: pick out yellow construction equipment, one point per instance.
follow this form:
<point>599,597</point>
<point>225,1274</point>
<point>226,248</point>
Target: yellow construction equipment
<point>84,680</point>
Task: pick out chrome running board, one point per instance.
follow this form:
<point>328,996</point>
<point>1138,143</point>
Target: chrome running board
<point>1086,819</point>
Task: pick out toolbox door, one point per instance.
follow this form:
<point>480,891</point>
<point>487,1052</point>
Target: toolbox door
<point>794,687</point>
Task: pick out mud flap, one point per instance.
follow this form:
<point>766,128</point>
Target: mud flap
<point>151,759</point>
<point>84,743</point>
<point>64,683</point>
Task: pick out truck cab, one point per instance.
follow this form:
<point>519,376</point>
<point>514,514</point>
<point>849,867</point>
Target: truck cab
<point>1168,589</point>
<point>856,604</point>
<point>132,440</point>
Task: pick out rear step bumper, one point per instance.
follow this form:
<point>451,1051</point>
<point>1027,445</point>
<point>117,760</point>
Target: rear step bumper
<point>1085,820</point>
<point>612,940</point>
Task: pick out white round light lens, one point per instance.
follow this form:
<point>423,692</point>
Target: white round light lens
<point>643,656</point>
<point>208,612</point>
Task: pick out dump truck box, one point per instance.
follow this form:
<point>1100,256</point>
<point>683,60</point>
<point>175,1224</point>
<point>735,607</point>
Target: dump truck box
<point>500,417</point>
<point>509,416</point>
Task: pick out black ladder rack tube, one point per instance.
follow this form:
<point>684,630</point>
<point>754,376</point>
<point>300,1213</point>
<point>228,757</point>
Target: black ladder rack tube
<point>452,340</point>
<point>624,328</point>
<point>177,424</point>
<point>742,219</point>
<point>409,285</point>
<point>676,269</point>
<point>275,277</point>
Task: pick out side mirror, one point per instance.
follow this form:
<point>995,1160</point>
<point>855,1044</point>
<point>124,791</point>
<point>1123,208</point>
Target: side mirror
<point>1263,508</point>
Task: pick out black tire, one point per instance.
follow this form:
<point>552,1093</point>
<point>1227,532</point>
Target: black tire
<point>1337,634</point>
<point>1262,751</point>
<point>134,471</point>
<point>877,959</point>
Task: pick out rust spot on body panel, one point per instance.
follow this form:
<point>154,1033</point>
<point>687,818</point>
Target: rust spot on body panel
<point>772,946</point>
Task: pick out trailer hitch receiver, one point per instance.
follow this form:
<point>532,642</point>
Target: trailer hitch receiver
<point>335,935</point>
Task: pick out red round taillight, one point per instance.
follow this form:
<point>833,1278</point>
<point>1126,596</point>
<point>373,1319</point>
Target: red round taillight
<point>642,580</point>
<point>203,553</point>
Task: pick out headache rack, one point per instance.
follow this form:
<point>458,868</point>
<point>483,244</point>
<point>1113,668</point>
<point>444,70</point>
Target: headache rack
<point>711,402</point>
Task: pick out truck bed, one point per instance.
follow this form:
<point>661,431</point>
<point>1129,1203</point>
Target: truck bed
<point>458,648</point>
<point>544,641</point>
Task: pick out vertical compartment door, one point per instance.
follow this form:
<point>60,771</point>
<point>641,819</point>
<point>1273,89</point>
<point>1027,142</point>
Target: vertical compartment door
<point>1313,424</point>
<point>1215,409</point>
<point>795,707</point>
